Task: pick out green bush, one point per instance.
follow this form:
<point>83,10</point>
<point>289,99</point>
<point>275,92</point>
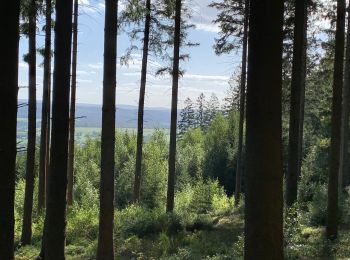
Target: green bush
<point>137,220</point>
<point>82,224</point>
<point>317,207</point>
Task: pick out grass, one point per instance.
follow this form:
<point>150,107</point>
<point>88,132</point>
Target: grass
<point>221,238</point>
<point>212,241</point>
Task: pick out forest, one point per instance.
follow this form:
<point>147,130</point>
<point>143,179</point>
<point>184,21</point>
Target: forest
<point>263,173</point>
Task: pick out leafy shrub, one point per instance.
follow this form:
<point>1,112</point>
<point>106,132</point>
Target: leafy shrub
<point>82,224</point>
<point>206,195</point>
<point>137,220</point>
<point>317,207</point>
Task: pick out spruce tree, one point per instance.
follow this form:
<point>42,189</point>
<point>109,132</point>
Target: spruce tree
<point>55,219</point>
<point>187,117</point>
<point>200,111</point>
<point>334,167</point>
<point>9,28</point>
<point>212,107</point>
<point>105,247</point>
<point>264,176</point>
<point>30,163</point>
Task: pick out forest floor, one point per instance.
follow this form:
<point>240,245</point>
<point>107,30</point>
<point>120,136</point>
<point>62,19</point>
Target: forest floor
<point>209,237</point>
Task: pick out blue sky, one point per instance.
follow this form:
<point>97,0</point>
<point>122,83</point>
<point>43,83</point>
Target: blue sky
<point>205,72</point>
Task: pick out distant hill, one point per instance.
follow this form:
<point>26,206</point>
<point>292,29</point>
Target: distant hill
<point>126,116</point>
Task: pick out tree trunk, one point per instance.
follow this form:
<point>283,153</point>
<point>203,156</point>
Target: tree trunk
<point>56,205</point>
<point>138,169</point>
<point>9,26</point>
<point>30,164</point>
<point>239,168</point>
<point>48,140</point>
<point>264,179</point>
<point>45,117</point>
<point>334,161</point>
<point>105,249</point>
<point>174,97</point>
<point>72,107</point>
<point>344,174</point>
<point>296,118</point>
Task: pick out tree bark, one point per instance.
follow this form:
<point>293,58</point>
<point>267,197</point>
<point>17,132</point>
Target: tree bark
<point>48,141</point>
<point>105,248</point>
<point>45,116</point>
<point>56,205</point>
<point>334,157</point>
<point>174,98</point>
<point>296,117</point>
<point>30,163</point>
<point>239,168</point>
<point>9,26</point>
<point>138,169</point>
<point>344,156</point>
<point>264,180</point>
<point>72,107</point>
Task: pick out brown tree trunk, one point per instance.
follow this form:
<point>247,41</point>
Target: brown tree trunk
<point>264,179</point>
<point>105,248</point>
<point>45,117</point>
<point>296,118</point>
<point>174,98</point>
<point>344,156</point>
<point>72,107</point>
<point>30,164</point>
<point>138,169</point>
<point>334,161</point>
<point>239,168</point>
<point>48,141</point>
<point>9,26</point>
<point>56,204</point>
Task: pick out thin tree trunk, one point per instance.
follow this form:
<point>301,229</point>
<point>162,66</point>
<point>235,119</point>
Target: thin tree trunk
<point>105,248</point>
<point>296,118</point>
<point>56,205</point>
<point>344,174</point>
<point>45,110</point>
<point>9,26</point>
<point>239,168</point>
<point>264,179</point>
<point>138,169</point>
<point>48,141</point>
<point>30,164</point>
<point>174,98</point>
<point>72,107</point>
<point>334,162</point>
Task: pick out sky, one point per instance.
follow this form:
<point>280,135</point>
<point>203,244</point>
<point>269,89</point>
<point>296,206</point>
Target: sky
<point>204,72</point>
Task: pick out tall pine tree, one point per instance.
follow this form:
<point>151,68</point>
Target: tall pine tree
<point>187,117</point>
<point>9,28</point>
<point>264,178</point>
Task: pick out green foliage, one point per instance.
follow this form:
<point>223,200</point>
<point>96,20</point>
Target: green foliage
<point>220,152</point>
<point>204,195</point>
<point>155,171</point>
<point>230,19</point>
<point>187,117</point>
<point>190,158</point>
<point>317,207</point>
<point>82,224</point>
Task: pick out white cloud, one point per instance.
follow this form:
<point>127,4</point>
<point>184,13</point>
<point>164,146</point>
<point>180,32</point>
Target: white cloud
<point>207,27</point>
<point>23,65</point>
<point>84,80</point>
<point>203,15</point>
<point>82,72</point>
<point>98,65</point>
<point>91,7</point>
<point>206,77</point>
<point>84,2</point>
